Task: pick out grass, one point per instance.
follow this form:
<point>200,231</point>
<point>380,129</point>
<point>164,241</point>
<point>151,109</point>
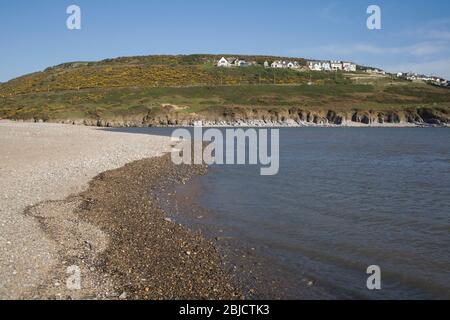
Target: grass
<point>113,102</point>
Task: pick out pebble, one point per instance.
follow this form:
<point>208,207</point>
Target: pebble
<point>123,296</point>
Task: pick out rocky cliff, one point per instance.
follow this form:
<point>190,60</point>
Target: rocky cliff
<point>237,116</point>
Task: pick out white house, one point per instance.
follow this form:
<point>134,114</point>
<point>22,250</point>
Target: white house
<point>349,67</point>
<point>293,65</point>
<point>326,66</point>
<point>438,80</point>
<point>285,65</point>
<point>426,78</point>
<point>375,71</point>
<point>240,63</point>
<point>278,64</point>
<point>233,62</point>
<point>223,62</point>
<point>331,65</point>
<point>226,63</point>
<point>266,64</point>
<point>336,65</point>
<point>315,65</point>
<point>319,65</point>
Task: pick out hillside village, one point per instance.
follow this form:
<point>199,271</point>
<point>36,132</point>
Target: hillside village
<point>285,64</point>
<point>413,77</point>
<point>330,65</point>
<point>424,78</point>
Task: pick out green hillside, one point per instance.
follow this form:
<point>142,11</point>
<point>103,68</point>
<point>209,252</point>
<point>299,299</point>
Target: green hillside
<point>139,86</point>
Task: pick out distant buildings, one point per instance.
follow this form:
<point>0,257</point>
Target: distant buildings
<point>290,64</point>
<point>331,66</point>
<point>319,65</point>
<point>349,67</point>
<point>225,63</point>
<point>324,65</point>
<point>285,65</point>
<point>336,65</point>
<point>375,71</point>
<point>438,81</point>
<point>237,62</point>
<point>241,63</point>
<point>233,62</point>
<point>277,65</point>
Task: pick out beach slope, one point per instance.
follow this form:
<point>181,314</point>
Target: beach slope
<point>49,162</point>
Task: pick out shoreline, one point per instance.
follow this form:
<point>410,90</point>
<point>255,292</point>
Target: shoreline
<point>261,277</point>
<point>46,170</point>
<point>126,243</point>
<point>82,226</point>
<point>142,254</point>
<point>238,124</point>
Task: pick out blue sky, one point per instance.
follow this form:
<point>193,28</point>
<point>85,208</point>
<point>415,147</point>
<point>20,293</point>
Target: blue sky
<point>415,34</point>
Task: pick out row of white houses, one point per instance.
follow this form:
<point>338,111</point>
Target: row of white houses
<point>279,64</point>
<point>283,64</point>
<point>233,62</point>
<point>332,65</point>
<point>237,62</point>
<point>420,77</point>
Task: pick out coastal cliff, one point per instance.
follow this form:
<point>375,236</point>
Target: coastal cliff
<point>289,117</point>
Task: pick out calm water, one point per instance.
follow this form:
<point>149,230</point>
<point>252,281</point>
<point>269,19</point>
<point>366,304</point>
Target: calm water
<point>347,198</point>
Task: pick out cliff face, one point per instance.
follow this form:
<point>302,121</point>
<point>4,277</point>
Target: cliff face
<point>169,116</point>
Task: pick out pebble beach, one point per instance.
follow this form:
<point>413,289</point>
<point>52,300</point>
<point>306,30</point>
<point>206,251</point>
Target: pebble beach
<point>80,196</point>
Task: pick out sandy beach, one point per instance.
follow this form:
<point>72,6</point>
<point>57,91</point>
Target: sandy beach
<point>43,170</point>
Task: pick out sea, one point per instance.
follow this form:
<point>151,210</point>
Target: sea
<point>345,200</point>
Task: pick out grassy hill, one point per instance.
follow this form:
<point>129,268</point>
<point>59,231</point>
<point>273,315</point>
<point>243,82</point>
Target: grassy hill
<point>142,87</point>
<point>148,71</point>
